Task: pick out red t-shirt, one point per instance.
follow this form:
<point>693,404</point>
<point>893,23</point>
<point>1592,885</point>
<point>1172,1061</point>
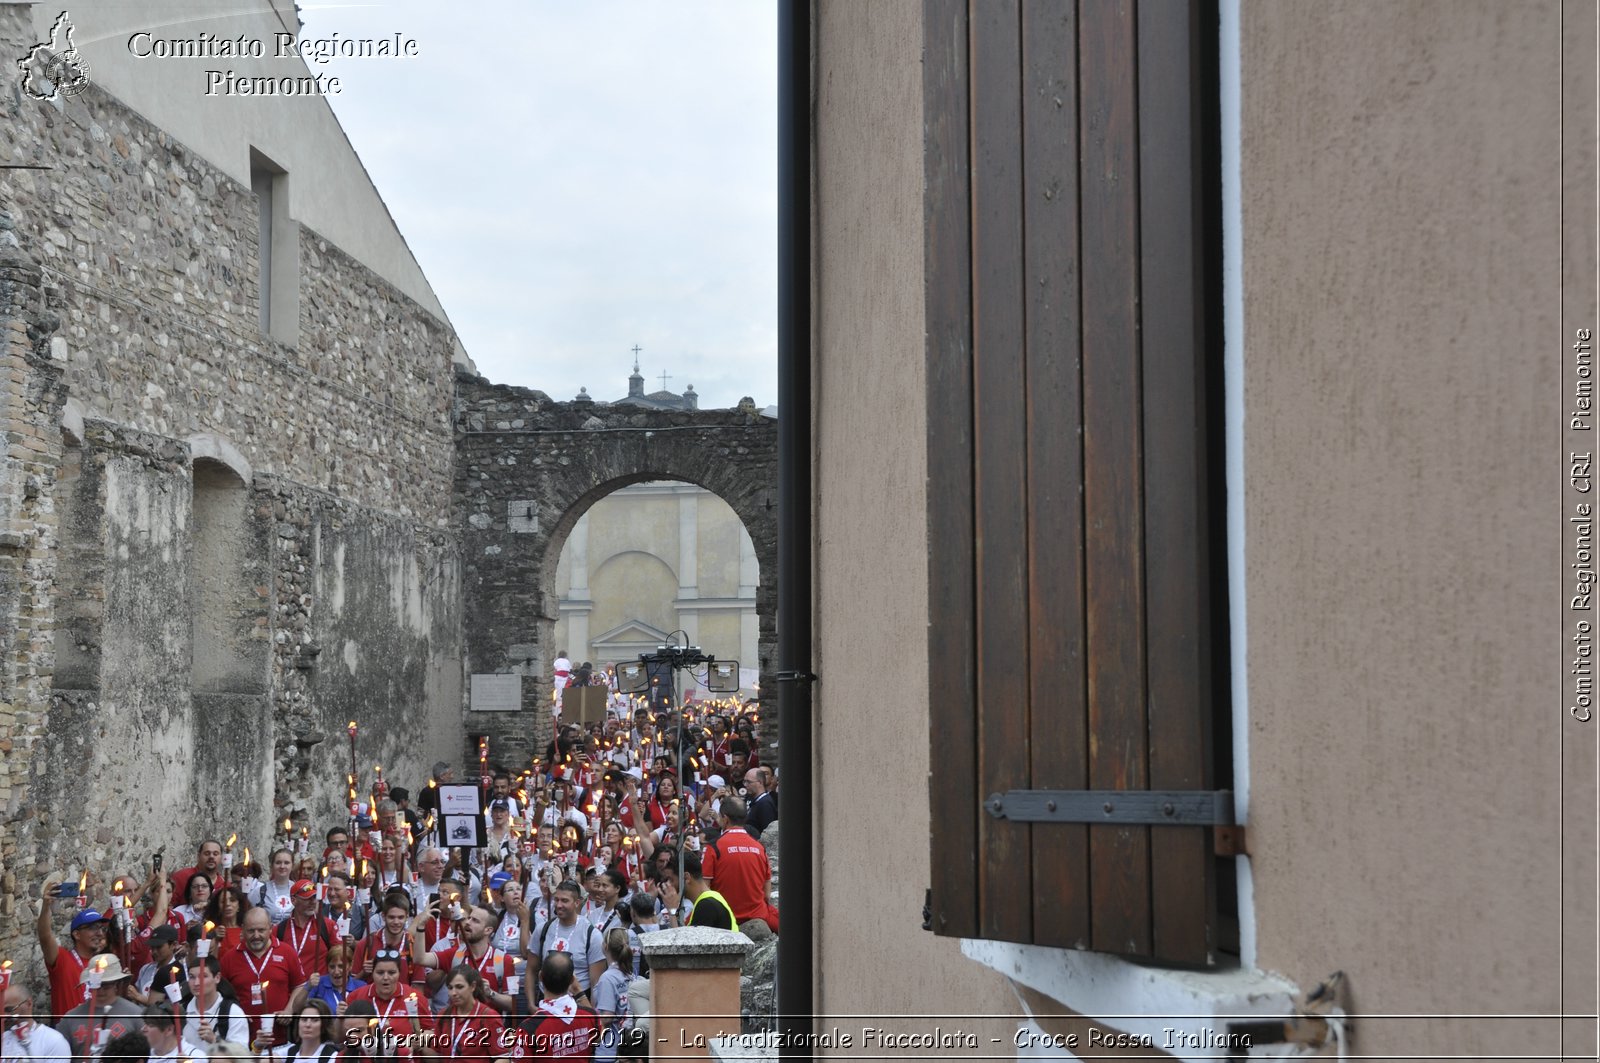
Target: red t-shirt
<point>309,943</point>
<point>480,1035</point>
<point>658,813</point>
<point>65,992</point>
<point>494,965</point>
<point>736,866</point>
<point>369,946</point>
<point>395,1014</point>
<point>438,932</point>
<point>139,945</point>
<point>180,881</point>
<point>279,968</point>
<point>552,1036</point>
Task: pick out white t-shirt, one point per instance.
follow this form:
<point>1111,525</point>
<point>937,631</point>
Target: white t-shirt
<point>238,1022</point>
<point>508,935</point>
<point>187,1051</point>
<point>554,817</point>
<point>276,900</point>
<point>42,1042</point>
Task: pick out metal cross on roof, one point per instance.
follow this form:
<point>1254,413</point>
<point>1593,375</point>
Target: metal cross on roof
<point>664,379</point>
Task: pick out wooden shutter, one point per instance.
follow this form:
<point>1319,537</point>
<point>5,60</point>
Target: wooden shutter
<point>1070,350</point>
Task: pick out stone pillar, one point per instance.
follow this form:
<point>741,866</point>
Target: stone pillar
<point>694,989</point>
<point>689,545</point>
<point>578,583</point>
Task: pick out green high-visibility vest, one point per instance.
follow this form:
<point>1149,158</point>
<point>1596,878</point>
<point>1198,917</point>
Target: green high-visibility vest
<point>695,918</point>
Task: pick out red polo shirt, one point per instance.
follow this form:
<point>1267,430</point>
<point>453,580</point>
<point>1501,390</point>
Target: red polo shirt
<point>394,1014</point>
<point>309,943</point>
<point>279,968</point>
<point>736,866</point>
<point>480,1035</point>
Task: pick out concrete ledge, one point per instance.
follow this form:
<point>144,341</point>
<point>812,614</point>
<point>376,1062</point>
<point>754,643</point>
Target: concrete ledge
<point>694,948</point>
<point>1175,1009</point>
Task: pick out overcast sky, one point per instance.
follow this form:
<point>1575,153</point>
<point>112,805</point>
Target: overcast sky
<point>578,177</point>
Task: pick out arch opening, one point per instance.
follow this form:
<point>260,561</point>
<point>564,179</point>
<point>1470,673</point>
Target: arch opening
<point>652,558</point>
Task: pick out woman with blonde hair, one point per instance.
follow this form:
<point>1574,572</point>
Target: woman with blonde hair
<point>610,994</point>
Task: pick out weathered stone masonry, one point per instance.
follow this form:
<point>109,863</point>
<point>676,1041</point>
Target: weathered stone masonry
<point>31,400</point>
<point>215,548</point>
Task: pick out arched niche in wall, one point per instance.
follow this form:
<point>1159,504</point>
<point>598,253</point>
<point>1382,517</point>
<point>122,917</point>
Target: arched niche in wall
<point>227,563</point>
<point>80,548</point>
<point>633,585</point>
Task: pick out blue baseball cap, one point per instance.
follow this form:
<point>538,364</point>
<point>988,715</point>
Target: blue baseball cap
<point>88,917</point>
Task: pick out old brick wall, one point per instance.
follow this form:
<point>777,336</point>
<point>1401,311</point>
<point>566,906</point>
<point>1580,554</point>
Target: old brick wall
<point>317,581</point>
<point>527,468</point>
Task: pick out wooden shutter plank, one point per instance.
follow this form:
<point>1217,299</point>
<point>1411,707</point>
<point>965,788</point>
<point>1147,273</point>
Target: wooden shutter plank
<point>1000,438</point>
<point>1059,733</point>
<point>952,682</point>
<point>1114,540</point>
<point>1176,543</point>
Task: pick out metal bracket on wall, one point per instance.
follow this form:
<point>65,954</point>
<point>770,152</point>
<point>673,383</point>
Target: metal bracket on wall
<point>1202,808</point>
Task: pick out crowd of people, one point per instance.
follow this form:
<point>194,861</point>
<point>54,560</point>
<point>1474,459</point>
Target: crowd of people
<point>390,943</point>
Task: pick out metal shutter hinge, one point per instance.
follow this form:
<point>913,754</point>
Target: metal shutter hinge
<point>1203,808</point>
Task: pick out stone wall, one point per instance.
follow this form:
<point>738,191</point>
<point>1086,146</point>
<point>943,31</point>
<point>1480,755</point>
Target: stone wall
<point>367,623</point>
<point>527,468</point>
<point>31,400</point>
<point>254,542</point>
<point>149,258</point>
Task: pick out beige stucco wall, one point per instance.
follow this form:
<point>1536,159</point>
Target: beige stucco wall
<point>1403,468</point>
<point>329,189</point>
<point>871,554</point>
<point>632,546</point>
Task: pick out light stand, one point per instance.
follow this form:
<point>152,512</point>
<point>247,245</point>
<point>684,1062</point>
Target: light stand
<point>680,658</point>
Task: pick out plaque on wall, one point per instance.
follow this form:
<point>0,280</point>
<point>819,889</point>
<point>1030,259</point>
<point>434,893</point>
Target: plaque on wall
<point>496,692</point>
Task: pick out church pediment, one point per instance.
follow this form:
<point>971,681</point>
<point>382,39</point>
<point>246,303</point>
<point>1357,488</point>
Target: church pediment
<point>631,633</point>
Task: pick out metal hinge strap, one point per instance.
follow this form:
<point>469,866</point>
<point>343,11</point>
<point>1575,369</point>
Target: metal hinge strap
<point>1201,808</point>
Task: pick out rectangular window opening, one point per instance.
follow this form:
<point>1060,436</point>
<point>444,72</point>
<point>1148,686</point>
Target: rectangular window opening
<point>277,251</point>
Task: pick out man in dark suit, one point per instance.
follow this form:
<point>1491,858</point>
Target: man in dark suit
<point>763,810</point>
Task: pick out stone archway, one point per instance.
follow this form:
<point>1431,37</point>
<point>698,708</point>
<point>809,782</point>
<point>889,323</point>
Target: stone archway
<point>527,469</point>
